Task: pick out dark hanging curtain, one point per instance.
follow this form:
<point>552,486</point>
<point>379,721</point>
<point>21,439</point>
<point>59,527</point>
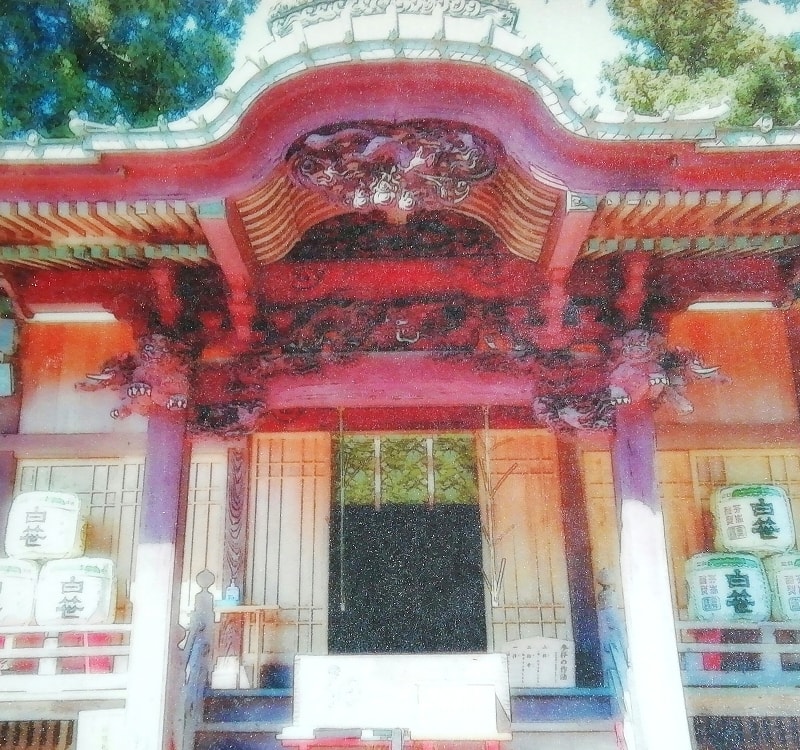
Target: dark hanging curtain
<point>411,581</point>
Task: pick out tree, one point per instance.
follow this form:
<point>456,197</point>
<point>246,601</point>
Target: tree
<point>686,53</point>
<point>111,58</point>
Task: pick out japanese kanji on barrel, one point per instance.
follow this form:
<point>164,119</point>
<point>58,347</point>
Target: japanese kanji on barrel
<point>783,573</point>
<point>726,587</point>
<point>755,518</point>
<point>75,591</point>
<point>45,578</point>
<point>45,526</point>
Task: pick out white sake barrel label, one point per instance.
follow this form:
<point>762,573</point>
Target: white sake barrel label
<point>17,591</point>
<point>77,591</point>
<point>783,574</point>
<point>754,518</point>
<point>45,526</point>
<point>727,587</point>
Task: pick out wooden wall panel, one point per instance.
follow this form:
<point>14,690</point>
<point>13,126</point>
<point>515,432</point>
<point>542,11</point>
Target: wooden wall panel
<point>204,547</point>
<point>111,488</point>
<point>288,539</point>
<point>752,349</point>
<point>53,358</point>
<point>601,508</point>
<point>527,535</point>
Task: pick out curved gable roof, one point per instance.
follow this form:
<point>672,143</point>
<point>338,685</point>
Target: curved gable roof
<point>334,60</point>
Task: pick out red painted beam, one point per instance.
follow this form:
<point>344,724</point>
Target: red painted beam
<point>439,419</point>
<point>400,90</point>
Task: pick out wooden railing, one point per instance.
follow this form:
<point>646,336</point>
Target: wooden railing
<point>739,654</point>
<point>197,653</point>
<point>63,663</point>
<point>245,646</point>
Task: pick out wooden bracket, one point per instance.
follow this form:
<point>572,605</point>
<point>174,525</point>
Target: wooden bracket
<point>169,306</point>
<point>227,236</point>
<point>634,293</point>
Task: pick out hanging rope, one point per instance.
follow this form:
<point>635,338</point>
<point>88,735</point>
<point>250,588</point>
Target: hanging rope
<point>342,604</point>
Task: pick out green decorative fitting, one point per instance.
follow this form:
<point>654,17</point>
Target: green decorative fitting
<point>210,210</point>
<point>78,255</point>
<point>404,471</point>
<point>407,470</point>
<point>355,470</point>
<point>454,463</point>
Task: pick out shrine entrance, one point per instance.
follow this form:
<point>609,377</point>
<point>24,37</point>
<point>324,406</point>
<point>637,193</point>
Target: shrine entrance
<point>405,547</point>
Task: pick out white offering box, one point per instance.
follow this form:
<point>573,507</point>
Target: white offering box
<point>78,591</point>
<point>45,526</point>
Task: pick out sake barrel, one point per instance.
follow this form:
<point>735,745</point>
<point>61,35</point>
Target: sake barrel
<point>76,591</point>
<point>45,526</point>
<point>783,574</point>
<point>754,518</point>
<point>727,587</point>
<point>17,591</point>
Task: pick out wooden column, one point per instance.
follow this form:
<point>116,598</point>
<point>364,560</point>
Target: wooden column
<point>659,720</point>
<point>156,586</point>
<point>231,636</point>
<point>585,632</point>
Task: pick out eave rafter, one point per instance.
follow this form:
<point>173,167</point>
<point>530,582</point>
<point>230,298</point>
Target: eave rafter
<point>518,208</point>
<point>81,233</point>
<point>694,223</point>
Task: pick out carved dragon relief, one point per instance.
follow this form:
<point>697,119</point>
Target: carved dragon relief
<point>642,368</point>
<point>405,166</point>
<point>157,374</point>
<point>580,385</point>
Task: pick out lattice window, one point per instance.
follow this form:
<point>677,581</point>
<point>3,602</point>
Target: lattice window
<point>287,541</point>
<point>205,524</point>
<point>687,480</point>
<point>112,492</point>
<point>525,557</point>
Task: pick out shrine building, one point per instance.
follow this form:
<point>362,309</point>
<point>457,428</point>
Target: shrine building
<point>395,398</point>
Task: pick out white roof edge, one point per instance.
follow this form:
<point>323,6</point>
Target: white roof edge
<point>335,40</point>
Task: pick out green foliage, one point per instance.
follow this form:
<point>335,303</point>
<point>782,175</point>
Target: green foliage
<point>111,58</point>
<point>688,53</point>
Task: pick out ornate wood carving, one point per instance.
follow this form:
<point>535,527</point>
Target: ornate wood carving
<point>156,375</point>
<point>232,630</point>
<point>405,166</point>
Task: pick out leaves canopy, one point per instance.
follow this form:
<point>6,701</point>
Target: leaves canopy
<point>111,58</point>
<point>688,53</point>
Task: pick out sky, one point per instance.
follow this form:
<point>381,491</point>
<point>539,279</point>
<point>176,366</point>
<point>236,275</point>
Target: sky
<point>575,36</point>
